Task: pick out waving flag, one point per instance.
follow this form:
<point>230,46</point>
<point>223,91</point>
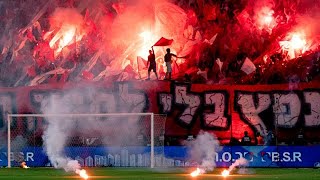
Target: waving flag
<point>142,63</point>
<point>163,42</point>
<point>248,66</point>
<point>211,40</point>
<point>220,63</point>
<point>142,67</point>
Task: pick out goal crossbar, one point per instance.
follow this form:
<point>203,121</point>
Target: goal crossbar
<point>10,116</point>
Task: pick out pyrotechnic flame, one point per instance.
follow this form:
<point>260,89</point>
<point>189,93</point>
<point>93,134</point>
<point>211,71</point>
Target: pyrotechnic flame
<point>265,19</point>
<point>82,173</point>
<point>225,173</point>
<point>24,165</point>
<point>297,44</point>
<point>146,44</point>
<point>268,19</point>
<point>66,36</point>
<point>146,35</point>
<point>196,172</point>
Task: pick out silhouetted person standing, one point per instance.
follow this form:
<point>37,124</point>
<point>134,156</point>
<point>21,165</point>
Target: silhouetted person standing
<point>270,139</point>
<point>152,63</point>
<point>259,139</point>
<point>246,139</point>
<point>300,140</point>
<point>168,60</point>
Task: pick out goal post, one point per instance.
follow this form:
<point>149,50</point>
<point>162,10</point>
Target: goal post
<point>156,122</point>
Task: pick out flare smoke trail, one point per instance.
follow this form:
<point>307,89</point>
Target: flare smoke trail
<point>60,129</point>
<point>237,163</point>
<point>203,150</point>
<point>55,136</point>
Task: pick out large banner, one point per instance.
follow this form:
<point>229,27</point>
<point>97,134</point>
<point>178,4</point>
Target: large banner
<point>176,156</point>
<point>225,110</point>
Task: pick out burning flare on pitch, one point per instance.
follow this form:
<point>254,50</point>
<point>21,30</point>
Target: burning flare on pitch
<point>225,173</point>
<point>82,173</point>
<point>196,172</point>
<point>241,162</point>
<point>24,165</point>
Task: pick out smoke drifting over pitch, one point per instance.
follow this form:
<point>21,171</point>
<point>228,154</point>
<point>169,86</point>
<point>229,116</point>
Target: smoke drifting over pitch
<point>203,150</point>
<point>241,163</point>
<point>59,130</point>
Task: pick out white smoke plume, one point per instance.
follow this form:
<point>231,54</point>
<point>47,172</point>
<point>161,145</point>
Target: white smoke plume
<point>307,24</point>
<point>59,130</point>
<point>241,162</point>
<point>263,14</point>
<point>203,150</point>
<point>55,136</point>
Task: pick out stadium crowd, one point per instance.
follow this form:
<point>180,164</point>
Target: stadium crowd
<point>238,38</point>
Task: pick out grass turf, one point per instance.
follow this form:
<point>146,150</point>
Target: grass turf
<point>145,174</point>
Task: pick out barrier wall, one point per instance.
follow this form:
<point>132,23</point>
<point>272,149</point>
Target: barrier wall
<point>225,110</point>
<point>177,156</point>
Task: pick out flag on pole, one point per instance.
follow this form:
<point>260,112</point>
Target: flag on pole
<point>87,75</point>
<point>211,40</point>
<point>142,66</point>
<point>142,63</point>
<point>248,66</point>
<point>220,63</point>
<point>163,42</point>
<point>175,68</point>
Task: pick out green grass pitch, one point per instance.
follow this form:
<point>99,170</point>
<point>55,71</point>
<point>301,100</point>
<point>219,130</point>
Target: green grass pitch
<point>145,174</point>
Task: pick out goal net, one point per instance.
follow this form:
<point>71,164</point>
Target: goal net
<point>93,140</point>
